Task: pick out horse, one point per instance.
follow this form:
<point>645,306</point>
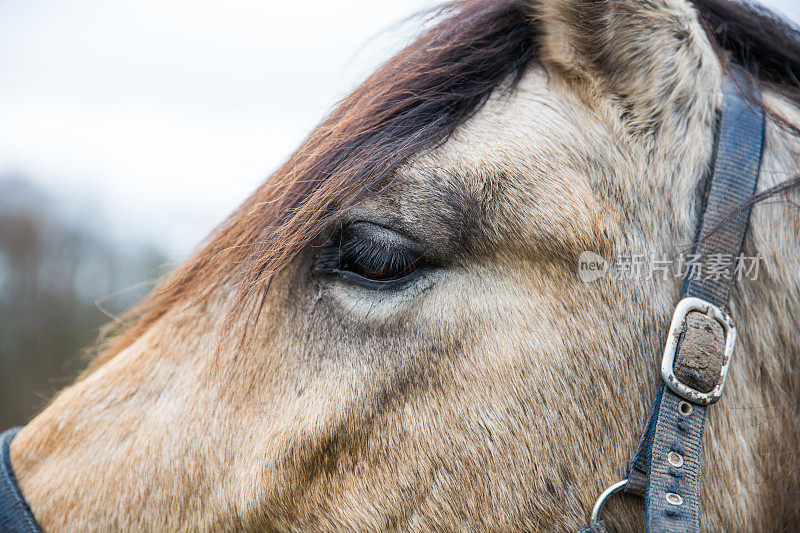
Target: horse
<point>392,333</point>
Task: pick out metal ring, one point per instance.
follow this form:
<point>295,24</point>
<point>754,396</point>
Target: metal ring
<point>598,505</point>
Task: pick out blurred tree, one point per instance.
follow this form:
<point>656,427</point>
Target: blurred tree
<point>59,282</point>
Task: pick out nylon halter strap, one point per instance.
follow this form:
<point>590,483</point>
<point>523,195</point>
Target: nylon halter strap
<point>15,515</point>
<point>666,467</point>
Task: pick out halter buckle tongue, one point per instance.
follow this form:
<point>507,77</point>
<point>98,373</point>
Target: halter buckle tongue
<point>698,351</point>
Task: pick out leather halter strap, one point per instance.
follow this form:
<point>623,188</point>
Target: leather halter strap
<point>15,515</point>
<point>666,469</point>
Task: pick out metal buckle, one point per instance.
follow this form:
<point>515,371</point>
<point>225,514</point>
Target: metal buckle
<point>686,392</point>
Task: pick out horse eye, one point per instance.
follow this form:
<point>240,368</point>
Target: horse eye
<point>378,265</point>
<point>372,256</point>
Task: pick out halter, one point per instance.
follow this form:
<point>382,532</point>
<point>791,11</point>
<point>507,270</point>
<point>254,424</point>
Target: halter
<point>15,515</point>
<point>666,467</point>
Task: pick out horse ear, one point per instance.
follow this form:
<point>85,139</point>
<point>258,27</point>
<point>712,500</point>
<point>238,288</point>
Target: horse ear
<point>651,55</point>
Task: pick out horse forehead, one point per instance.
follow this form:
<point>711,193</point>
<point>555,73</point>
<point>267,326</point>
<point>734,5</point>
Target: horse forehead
<point>519,169</point>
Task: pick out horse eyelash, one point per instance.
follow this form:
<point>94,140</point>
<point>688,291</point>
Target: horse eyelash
<point>366,251</point>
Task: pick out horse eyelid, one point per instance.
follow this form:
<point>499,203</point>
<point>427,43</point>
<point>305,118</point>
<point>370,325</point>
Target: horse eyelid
<point>350,255</point>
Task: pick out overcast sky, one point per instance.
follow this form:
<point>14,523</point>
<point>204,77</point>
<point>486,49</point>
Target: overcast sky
<point>156,118</point>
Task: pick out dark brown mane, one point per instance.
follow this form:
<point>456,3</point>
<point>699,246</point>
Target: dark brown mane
<point>756,39</point>
<point>411,104</point>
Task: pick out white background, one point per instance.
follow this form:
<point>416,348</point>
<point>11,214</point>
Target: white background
<point>153,119</point>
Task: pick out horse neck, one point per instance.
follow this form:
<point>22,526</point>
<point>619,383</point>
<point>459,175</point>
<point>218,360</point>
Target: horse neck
<point>767,307</point>
<point>754,432</point>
